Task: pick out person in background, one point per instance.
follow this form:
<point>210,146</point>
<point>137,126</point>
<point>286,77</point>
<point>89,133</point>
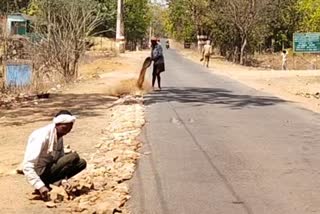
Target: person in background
<point>284,60</point>
<point>45,162</point>
<point>167,44</point>
<point>206,53</point>
<point>158,62</point>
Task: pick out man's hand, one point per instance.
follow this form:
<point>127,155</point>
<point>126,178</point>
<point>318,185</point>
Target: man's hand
<point>44,193</point>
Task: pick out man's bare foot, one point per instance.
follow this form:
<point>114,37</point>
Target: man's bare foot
<point>66,185</point>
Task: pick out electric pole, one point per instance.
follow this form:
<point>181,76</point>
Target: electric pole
<point>120,41</point>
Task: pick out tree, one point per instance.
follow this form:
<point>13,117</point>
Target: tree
<point>310,10</point>
<point>9,6</point>
<point>32,9</point>
<point>282,19</point>
<point>64,27</point>
<point>237,27</point>
<point>245,17</point>
<point>137,18</point>
<point>158,20</point>
<point>108,11</point>
<point>178,22</point>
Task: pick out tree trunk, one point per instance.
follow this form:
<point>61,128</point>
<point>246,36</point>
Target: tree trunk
<point>243,46</point>
<point>74,72</point>
<point>235,55</point>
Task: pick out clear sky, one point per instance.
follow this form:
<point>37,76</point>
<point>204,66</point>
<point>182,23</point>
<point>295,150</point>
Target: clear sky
<point>162,2</point>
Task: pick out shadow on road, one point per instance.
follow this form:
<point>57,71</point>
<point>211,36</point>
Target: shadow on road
<point>83,105</point>
<point>211,96</point>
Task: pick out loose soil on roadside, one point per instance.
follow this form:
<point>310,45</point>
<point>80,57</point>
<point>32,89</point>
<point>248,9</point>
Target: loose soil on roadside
<point>88,100</point>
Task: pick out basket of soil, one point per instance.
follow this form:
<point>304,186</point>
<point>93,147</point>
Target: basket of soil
<point>146,64</point>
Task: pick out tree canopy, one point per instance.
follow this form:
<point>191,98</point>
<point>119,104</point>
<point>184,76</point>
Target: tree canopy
<point>137,18</point>
<point>239,28</point>
<point>9,6</point>
<point>310,10</point>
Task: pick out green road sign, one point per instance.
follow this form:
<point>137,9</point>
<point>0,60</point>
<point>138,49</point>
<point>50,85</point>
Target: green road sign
<point>306,42</point>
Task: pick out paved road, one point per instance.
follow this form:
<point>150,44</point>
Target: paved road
<point>220,147</point>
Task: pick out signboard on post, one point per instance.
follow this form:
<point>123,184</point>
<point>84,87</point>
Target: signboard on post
<point>306,42</point>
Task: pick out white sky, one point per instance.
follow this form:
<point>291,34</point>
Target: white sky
<point>162,2</point>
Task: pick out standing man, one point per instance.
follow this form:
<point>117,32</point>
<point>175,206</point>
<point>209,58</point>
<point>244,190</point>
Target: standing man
<point>167,44</point>
<point>45,162</point>
<point>206,53</point>
<point>158,62</point>
<point>284,60</point>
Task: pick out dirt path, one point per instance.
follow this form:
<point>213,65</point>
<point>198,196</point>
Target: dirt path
<point>88,100</point>
<point>301,87</point>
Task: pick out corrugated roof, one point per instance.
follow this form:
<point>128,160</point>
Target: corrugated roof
<point>24,16</point>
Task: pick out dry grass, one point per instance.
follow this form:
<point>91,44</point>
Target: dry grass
<point>103,64</point>
<point>99,66</point>
<point>129,87</point>
<point>295,62</point>
<point>103,43</point>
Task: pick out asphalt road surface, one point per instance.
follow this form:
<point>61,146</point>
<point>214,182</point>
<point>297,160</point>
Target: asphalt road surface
<point>217,146</point>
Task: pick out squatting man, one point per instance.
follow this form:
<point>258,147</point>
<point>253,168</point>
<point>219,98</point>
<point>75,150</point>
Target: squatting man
<point>45,162</point>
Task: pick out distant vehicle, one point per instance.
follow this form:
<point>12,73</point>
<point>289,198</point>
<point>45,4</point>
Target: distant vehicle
<point>187,44</point>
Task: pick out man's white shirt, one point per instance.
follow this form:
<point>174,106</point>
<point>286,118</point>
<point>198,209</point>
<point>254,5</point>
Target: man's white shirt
<point>43,149</point>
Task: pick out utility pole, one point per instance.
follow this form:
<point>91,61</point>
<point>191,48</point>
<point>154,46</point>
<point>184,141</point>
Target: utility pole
<point>120,41</point>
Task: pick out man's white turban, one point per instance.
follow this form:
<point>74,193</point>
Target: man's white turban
<point>64,118</point>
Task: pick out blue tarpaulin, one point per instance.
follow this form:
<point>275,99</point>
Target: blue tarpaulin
<point>18,74</point>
